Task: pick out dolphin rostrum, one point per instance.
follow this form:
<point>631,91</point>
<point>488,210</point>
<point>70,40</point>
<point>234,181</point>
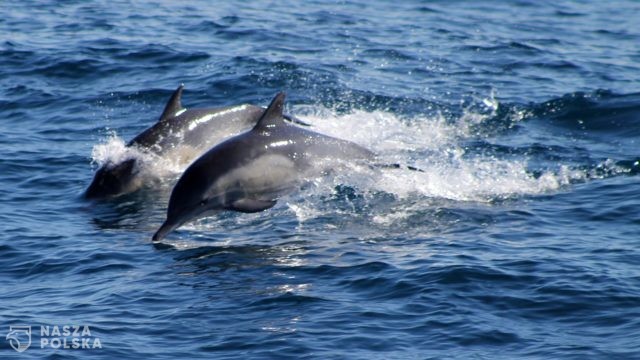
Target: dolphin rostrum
<point>249,172</point>
<point>180,134</point>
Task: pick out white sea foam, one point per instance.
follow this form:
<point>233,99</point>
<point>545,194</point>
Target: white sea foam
<point>435,146</point>
<point>113,150</point>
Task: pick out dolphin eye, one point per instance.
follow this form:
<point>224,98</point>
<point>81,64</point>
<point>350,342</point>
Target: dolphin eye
<point>203,202</point>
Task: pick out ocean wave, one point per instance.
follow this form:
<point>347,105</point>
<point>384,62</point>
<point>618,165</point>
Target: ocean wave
<point>600,111</point>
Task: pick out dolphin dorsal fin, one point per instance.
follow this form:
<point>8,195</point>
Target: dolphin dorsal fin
<point>272,116</point>
<point>174,105</point>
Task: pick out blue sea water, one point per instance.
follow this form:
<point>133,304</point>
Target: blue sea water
<point>519,240</point>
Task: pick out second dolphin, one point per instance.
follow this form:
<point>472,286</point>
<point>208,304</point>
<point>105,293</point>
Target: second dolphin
<point>180,135</point>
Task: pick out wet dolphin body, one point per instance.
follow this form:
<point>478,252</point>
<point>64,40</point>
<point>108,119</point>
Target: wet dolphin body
<point>180,133</point>
<point>248,172</point>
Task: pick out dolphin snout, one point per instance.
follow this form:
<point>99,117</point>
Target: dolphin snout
<point>166,228</point>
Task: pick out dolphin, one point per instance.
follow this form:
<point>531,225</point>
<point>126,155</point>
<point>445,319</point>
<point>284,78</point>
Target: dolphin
<point>250,171</point>
<point>180,134</point>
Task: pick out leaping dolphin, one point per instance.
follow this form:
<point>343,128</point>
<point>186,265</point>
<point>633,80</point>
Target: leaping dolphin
<point>180,133</point>
<point>249,172</point>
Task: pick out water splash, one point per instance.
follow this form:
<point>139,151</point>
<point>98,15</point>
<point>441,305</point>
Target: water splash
<point>435,145</point>
<point>113,150</point>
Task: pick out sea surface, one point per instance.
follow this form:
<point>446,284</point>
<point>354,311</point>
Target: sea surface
<point>519,239</point>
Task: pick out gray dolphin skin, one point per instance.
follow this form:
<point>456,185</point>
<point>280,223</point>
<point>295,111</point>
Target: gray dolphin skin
<point>183,134</point>
<point>249,172</point>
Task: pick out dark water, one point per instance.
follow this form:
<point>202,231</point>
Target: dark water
<point>519,239</point>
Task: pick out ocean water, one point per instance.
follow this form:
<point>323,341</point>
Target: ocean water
<point>518,240</point>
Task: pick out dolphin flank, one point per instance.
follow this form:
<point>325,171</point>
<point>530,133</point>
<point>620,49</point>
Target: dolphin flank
<point>249,172</point>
